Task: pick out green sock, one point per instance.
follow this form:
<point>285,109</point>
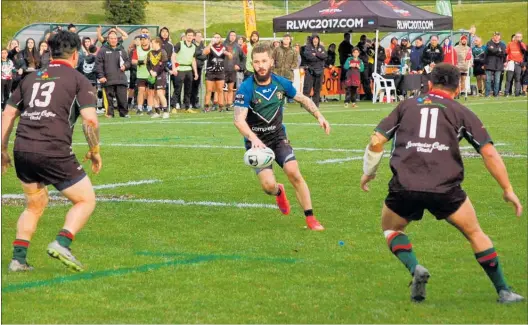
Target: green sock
<point>20,248</point>
<point>400,246</point>
<point>489,261</point>
<point>64,238</point>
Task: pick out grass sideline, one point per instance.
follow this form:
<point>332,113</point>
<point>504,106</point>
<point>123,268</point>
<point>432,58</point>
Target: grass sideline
<point>169,262</point>
<point>223,16</point>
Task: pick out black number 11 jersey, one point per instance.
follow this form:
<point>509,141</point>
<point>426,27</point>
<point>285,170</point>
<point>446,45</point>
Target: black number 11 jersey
<point>426,132</point>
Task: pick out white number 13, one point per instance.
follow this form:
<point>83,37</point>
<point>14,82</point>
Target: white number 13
<point>423,124</point>
<point>45,90</point>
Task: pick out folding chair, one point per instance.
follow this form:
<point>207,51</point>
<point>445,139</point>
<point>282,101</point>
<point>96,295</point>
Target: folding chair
<point>383,86</point>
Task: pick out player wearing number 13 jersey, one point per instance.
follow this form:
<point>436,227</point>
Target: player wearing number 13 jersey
<point>427,172</point>
<point>258,117</point>
<point>48,103</point>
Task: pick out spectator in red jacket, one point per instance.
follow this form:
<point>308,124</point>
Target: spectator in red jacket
<point>450,55</point>
<point>515,53</point>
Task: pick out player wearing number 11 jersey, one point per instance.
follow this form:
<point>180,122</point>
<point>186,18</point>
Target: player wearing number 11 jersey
<point>48,103</point>
<point>427,172</point>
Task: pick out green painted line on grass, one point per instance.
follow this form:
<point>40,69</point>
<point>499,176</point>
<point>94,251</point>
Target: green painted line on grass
<point>139,269</point>
<point>228,257</point>
<point>103,273</point>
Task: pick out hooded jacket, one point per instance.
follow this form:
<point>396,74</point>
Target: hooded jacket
<point>108,63</point>
<point>315,57</point>
<point>87,67</point>
<point>167,46</point>
<point>285,60</point>
<point>464,57</point>
<point>250,45</point>
<point>238,55</point>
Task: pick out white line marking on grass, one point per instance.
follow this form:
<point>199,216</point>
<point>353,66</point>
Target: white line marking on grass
<point>323,110</point>
<point>114,185</point>
<point>464,154</point>
<point>208,146</point>
<point>162,201</point>
<point>338,160</point>
<point>131,183</point>
<point>500,144</point>
<point>229,123</point>
<point>162,121</point>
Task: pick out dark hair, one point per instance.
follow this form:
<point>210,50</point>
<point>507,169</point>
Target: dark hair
<point>355,49</point>
<point>189,31</point>
<point>92,49</point>
<point>111,32</point>
<point>40,43</point>
<point>446,76</point>
<point>262,48</point>
<point>63,44</point>
<point>71,25</point>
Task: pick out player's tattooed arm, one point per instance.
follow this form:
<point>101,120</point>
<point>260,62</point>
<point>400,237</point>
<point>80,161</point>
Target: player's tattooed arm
<point>91,133</point>
<point>311,108</point>
<point>307,104</point>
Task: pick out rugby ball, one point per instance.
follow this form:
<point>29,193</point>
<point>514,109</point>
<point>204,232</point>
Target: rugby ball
<point>259,158</point>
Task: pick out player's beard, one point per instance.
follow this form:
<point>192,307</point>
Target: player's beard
<point>263,78</point>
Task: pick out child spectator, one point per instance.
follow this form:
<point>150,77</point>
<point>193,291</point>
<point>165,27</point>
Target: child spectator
<point>355,67</point>
<point>7,77</point>
<point>87,65</point>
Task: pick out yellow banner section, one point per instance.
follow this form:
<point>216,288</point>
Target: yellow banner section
<point>250,18</point>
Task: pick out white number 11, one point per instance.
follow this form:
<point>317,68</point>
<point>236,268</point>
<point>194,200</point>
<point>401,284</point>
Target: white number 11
<point>423,124</point>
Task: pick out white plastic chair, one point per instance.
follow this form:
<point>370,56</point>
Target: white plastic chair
<point>383,86</point>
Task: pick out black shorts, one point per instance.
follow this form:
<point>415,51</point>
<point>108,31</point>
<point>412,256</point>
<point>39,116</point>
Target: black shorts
<point>463,73</point>
<point>214,76</point>
<point>230,77</point>
<point>161,82</point>
<point>410,205</point>
<point>145,84</point>
<point>61,172</point>
<point>283,152</point>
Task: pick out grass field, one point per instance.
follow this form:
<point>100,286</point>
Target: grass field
<point>195,240</point>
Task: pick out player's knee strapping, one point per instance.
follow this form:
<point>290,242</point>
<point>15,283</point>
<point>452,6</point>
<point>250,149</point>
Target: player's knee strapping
<point>401,246</point>
<point>36,200</point>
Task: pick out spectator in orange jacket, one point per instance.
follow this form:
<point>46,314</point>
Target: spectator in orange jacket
<point>515,52</point>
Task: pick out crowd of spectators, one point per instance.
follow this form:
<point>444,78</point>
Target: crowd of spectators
<point>132,78</point>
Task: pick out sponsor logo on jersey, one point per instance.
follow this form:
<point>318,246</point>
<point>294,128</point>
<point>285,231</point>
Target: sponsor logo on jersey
<point>426,147</point>
<point>43,75</point>
<point>37,116</point>
<point>263,129</point>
